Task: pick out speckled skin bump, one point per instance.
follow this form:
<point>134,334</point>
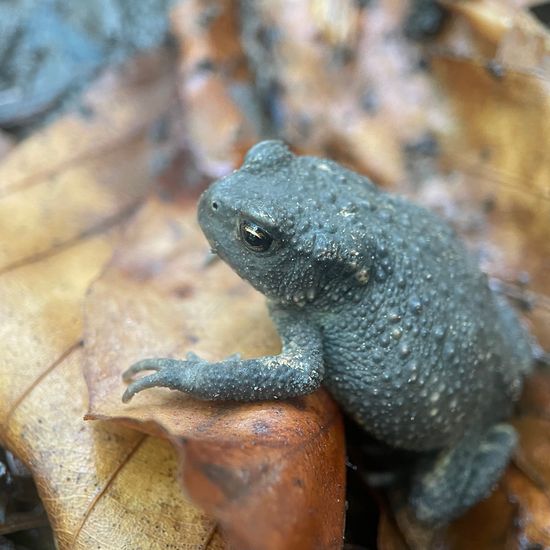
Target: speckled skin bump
<point>376,299</point>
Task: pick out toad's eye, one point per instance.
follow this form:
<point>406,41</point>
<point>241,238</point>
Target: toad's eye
<point>255,237</point>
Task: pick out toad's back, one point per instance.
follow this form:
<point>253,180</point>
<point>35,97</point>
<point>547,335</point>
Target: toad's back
<point>417,347</point>
<point>428,351</point>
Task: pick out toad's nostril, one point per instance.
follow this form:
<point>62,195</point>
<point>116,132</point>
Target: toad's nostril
<point>214,205</point>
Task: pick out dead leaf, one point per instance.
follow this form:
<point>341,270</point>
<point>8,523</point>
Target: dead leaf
<point>534,401</point>
<point>497,29</point>
<point>63,194</point>
<point>490,525</point>
<point>496,156</point>
<point>271,473</point>
<point>343,81</point>
<point>336,79</point>
<point>533,506</point>
<point>389,536</point>
<point>6,144</point>
<point>222,117</point>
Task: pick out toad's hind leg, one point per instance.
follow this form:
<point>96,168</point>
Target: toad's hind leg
<point>446,486</point>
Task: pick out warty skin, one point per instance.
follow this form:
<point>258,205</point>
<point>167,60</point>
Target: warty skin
<point>376,299</point>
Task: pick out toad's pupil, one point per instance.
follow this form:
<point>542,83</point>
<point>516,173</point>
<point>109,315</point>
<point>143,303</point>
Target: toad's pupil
<point>255,237</point>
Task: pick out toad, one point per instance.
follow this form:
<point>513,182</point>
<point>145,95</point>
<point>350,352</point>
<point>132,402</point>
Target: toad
<point>376,299</point>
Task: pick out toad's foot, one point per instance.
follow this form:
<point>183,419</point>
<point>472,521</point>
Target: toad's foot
<point>297,370</point>
<point>169,373</point>
<point>459,477</point>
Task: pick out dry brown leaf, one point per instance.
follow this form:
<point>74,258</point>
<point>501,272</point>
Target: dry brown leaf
<point>497,26</point>
<point>271,473</point>
<point>490,525</point>
<point>63,192</point>
<point>529,484</point>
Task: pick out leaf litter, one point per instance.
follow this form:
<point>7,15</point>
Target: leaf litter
<point>458,123</point>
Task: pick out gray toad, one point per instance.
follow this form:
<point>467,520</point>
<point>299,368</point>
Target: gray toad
<point>377,300</point>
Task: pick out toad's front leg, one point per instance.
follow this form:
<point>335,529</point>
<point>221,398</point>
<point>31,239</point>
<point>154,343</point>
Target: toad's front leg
<point>298,370</point>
